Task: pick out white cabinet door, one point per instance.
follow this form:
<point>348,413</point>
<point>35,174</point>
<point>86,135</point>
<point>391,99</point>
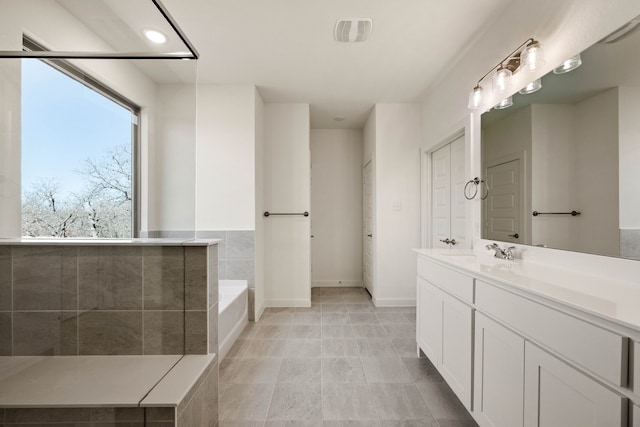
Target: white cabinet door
<point>499,375</point>
<point>557,395</point>
<point>429,330</point>
<point>456,359</point>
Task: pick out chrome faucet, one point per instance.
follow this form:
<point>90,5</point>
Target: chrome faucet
<point>506,253</point>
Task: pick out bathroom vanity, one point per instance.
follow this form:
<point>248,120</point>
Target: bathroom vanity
<point>525,344</point>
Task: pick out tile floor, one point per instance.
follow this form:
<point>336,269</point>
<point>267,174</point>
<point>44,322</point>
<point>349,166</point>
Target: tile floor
<point>341,362</point>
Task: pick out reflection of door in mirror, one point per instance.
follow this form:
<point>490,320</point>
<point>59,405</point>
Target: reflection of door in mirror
<point>503,215</point>
<point>447,193</point>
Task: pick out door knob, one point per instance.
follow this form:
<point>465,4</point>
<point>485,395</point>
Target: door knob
<point>515,236</point>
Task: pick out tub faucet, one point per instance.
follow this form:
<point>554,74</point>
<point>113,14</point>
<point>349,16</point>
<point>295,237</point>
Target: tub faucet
<point>506,253</point>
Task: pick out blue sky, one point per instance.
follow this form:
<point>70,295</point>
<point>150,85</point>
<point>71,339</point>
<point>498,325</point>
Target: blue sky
<point>64,123</point>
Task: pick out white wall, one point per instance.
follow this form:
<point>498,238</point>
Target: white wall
<point>397,204</point>
<point>629,157</point>
<point>174,160</point>
<point>287,189</point>
<point>596,149</point>
<point>226,158</point>
<point>553,137</point>
<point>565,28</point>
<point>259,206</point>
<point>336,204</point>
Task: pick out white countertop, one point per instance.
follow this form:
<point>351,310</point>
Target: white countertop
<point>97,381</point>
<point>109,242</point>
<point>609,299</point>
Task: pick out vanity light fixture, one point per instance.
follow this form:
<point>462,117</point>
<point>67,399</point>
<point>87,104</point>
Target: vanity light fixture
<point>529,55</point>
<point>505,103</point>
<point>155,36</point>
<point>533,86</point>
<point>568,65</point>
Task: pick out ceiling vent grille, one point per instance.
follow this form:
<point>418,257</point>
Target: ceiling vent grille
<point>353,30</point>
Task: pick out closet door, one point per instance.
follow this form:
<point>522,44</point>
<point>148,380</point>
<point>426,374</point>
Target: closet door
<point>448,178</point>
<point>441,196</point>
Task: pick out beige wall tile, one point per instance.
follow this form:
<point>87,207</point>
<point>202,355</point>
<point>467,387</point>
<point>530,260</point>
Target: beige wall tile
<point>110,332</point>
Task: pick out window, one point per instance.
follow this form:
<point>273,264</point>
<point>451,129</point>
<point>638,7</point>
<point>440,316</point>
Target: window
<point>78,150</point>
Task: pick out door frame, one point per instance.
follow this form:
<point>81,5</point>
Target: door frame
<point>525,220</point>
<point>426,217</point>
<point>373,226</point>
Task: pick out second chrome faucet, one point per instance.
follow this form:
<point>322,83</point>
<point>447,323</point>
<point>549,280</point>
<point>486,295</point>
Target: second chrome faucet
<point>506,253</point>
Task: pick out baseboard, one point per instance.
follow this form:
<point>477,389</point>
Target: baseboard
<point>260,312</point>
<point>299,302</point>
<point>337,284</point>
<point>394,302</point>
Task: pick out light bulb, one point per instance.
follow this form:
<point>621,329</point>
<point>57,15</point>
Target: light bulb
<point>505,103</point>
<point>532,56</point>
<point>475,98</point>
<point>501,79</point>
<point>568,65</point>
<point>533,86</point>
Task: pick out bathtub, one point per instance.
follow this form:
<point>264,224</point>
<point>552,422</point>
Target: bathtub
<point>232,313</point>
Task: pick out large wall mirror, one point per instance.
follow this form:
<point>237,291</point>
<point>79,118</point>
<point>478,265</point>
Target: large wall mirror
<point>97,116</point>
<point>563,163</point>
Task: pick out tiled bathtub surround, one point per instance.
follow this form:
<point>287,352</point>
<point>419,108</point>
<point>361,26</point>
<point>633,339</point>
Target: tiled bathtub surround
<point>236,258</point>
<point>102,299</point>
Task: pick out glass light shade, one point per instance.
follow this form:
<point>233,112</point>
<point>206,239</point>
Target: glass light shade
<point>532,57</point>
<point>534,86</point>
<point>475,98</point>
<point>505,103</point>
<point>568,65</point>
<point>501,79</point>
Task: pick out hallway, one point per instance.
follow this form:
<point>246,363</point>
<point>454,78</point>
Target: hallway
<point>341,362</point>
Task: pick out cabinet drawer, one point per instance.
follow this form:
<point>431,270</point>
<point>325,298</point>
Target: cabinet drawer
<point>595,349</point>
<point>453,282</point>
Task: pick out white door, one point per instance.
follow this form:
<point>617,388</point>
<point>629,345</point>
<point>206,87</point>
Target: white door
<point>502,206</point>
<point>441,196</point>
<point>447,192</point>
<point>556,395</point>
<point>367,194</point>
<point>499,375</point>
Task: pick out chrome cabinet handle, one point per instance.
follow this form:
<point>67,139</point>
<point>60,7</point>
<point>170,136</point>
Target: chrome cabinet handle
<point>447,241</point>
<point>515,236</point>
<point>369,235</point>
<point>453,241</point>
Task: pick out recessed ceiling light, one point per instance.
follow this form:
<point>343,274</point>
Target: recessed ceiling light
<point>155,36</point>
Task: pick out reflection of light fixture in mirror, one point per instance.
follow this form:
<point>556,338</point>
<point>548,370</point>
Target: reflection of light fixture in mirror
<point>568,65</point>
<point>501,79</point>
<point>534,86</point>
<point>532,56</point>
<point>505,103</point>
<point>155,36</point>
<point>475,98</point>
